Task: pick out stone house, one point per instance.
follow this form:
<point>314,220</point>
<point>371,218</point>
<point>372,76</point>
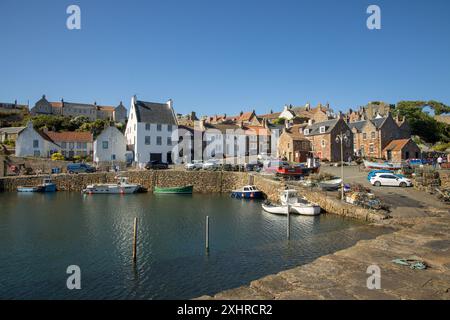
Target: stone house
<point>75,109</point>
<point>401,149</point>
<point>33,143</point>
<point>293,145</point>
<point>150,130</point>
<point>322,136</point>
<point>372,136</point>
<point>110,145</point>
<point>72,143</point>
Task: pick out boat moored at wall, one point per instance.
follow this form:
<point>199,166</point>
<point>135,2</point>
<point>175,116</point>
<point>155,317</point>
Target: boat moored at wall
<point>121,187</point>
<point>174,190</point>
<point>247,192</point>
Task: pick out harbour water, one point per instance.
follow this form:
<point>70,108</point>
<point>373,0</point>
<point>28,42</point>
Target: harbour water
<point>42,234</point>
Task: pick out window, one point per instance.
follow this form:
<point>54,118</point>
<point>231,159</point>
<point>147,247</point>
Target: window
<point>113,157</point>
<point>105,144</point>
<point>306,132</point>
<point>322,129</point>
<point>147,126</point>
<point>37,153</point>
<point>147,140</point>
<point>79,145</point>
<point>71,145</point>
<point>371,148</point>
<point>158,141</point>
<point>158,127</point>
<point>372,135</point>
<point>63,145</point>
<point>364,136</point>
<point>35,143</point>
<point>323,143</point>
<point>169,127</point>
<point>169,141</point>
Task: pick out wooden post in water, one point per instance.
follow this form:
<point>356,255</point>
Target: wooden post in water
<point>135,240</point>
<point>288,221</point>
<point>207,234</point>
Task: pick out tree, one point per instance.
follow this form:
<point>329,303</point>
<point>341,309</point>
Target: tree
<point>57,156</point>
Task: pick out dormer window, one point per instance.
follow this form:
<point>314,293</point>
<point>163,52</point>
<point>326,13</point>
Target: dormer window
<point>322,129</point>
<point>306,132</point>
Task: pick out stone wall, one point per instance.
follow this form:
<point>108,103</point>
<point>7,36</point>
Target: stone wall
<point>203,181</point>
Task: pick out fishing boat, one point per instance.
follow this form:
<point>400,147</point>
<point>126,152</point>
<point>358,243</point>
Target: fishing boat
<point>298,204</point>
<point>247,192</point>
<point>121,187</point>
<point>46,186</point>
<point>381,166</point>
<point>174,190</point>
<point>332,184</point>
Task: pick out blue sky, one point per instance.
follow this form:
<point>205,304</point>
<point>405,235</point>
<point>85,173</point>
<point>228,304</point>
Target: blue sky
<point>217,56</point>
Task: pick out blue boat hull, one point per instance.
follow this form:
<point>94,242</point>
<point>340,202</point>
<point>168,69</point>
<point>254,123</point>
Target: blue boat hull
<point>247,194</point>
<point>49,188</point>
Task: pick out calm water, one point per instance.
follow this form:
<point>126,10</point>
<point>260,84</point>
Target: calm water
<point>42,234</point>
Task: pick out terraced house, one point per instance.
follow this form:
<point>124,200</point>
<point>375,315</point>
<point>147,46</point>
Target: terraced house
<point>372,136</point>
<point>73,143</point>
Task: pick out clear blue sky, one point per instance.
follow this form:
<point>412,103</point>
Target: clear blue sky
<point>223,56</point>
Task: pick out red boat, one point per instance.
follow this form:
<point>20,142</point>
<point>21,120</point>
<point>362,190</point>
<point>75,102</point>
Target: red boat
<point>297,171</point>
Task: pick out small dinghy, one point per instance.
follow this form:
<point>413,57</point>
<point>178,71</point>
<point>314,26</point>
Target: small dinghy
<point>174,190</point>
<point>333,184</point>
<point>30,189</point>
<point>275,209</point>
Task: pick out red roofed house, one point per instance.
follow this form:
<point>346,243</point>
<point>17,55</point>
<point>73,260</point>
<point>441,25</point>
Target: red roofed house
<point>402,149</point>
<point>73,143</point>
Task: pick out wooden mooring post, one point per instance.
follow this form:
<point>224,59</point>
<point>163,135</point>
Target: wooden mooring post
<point>207,234</point>
<point>135,232</point>
<point>288,231</point>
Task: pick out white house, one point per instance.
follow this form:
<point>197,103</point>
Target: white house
<point>110,145</point>
<point>149,131</point>
<point>33,143</point>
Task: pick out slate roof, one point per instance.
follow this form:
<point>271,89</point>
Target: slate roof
<point>151,112</point>
<point>314,129</point>
<point>359,125</point>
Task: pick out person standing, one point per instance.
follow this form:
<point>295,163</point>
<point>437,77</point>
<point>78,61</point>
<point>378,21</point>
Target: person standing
<point>439,162</point>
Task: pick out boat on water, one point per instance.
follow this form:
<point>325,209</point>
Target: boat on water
<point>332,184</point>
<point>174,190</point>
<point>47,185</point>
<point>298,204</point>
<point>121,187</point>
<point>275,209</point>
<point>382,166</point>
<point>247,192</point>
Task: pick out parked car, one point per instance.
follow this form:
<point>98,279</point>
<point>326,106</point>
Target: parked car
<point>373,173</point>
<point>80,168</point>
<point>390,179</point>
<point>196,164</point>
<point>211,164</point>
<point>156,165</point>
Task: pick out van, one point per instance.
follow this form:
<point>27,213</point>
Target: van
<point>79,168</point>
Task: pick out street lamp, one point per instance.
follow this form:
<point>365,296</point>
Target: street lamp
<point>342,137</point>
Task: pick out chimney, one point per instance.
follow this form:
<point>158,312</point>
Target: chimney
<point>285,107</point>
<point>43,96</point>
<point>264,123</point>
<point>241,124</point>
<point>240,114</point>
<point>193,115</point>
<point>310,122</point>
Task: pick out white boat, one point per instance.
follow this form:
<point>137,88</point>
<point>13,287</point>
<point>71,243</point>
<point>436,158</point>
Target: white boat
<point>380,166</point>
<point>121,187</point>
<point>331,184</point>
<point>275,209</point>
<point>298,204</point>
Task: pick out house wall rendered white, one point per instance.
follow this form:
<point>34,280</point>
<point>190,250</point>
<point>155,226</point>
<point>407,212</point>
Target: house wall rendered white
<point>116,145</point>
<point>30,143</point>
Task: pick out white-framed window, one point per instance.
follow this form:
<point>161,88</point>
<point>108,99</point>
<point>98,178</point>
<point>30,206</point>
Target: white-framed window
<point>306,132</point>
<point>364,136</point>
<point>158,127</point>
<point>372,135</point>
<point>105,144</point>
<point>35,143</point>
<point>169,141</point>
<point>322,129</point>
<point>371,148</point>
<point>323,143</point>
<point>169,127</point>
<point>159,141</point>
<point>147,126</point>
<point>147,140</point>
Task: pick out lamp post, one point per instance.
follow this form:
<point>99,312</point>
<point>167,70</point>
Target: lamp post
<point>342,137</point>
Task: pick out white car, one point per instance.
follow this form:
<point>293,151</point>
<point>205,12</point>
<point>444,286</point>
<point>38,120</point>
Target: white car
<point>196,164</point>
<point>211,164</point>
<point>390,179</point>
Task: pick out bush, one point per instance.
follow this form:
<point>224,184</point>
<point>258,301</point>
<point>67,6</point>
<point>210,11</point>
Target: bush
<point>57,156</point>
